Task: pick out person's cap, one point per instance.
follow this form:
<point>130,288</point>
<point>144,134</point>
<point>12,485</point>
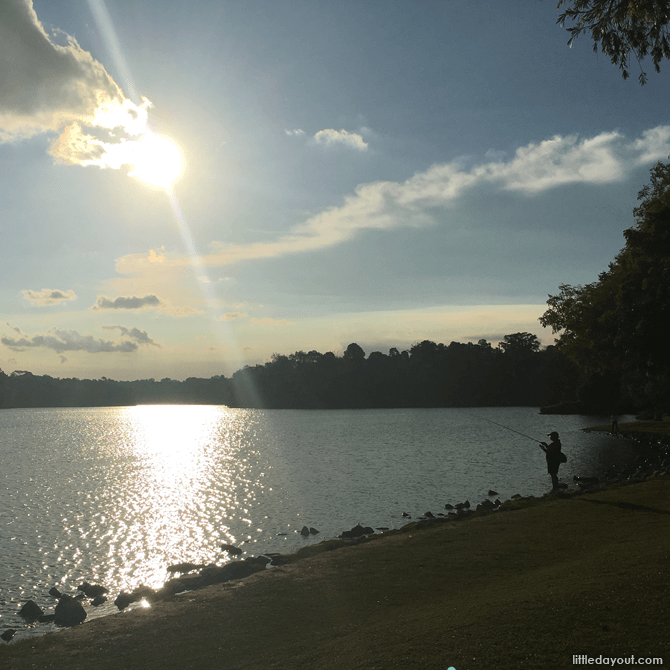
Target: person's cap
<point>552,434</point>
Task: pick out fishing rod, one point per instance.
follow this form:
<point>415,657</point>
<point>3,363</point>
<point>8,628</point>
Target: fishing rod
<point>501,425</point>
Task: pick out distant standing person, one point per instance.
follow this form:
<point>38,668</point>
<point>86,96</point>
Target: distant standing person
<point>553,454</point>
<point>615,424</point>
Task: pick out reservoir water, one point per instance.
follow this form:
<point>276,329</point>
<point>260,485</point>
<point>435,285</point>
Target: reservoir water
<point>113,496</point>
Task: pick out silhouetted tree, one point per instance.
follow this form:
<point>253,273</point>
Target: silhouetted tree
<point>430,374</point>
<point>618,325</point>
<point>621,28</point>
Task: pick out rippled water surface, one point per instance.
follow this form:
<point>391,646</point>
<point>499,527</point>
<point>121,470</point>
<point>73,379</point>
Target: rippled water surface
<point>116,495</point>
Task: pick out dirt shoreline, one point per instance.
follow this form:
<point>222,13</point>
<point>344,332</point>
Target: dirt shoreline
<point>588,574</point>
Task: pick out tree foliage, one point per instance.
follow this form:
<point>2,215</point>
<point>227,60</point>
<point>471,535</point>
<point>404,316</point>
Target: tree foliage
<point>621,28</point>
<point>620,323</point>
<point>429,374</point>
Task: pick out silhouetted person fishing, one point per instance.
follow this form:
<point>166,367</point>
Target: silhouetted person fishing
<point>552,450</point>
<point>554,458</point>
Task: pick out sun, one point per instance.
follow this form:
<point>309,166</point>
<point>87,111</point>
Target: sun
<point>157,161</point>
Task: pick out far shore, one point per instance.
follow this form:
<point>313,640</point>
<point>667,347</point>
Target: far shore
<point>560,576</point>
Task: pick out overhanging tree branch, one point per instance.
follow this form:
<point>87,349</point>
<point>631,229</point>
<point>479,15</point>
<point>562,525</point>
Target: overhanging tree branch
<point>620,28</point>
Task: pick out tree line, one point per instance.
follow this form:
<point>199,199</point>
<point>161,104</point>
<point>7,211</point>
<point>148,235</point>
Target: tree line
<point>517,372</point>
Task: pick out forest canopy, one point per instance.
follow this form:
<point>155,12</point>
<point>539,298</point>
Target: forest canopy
<point>617,327</point>
<point>516,372</point>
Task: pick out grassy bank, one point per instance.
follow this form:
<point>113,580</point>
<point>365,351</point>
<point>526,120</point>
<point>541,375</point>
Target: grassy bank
<point>527,588</point>
<point>637,427</point>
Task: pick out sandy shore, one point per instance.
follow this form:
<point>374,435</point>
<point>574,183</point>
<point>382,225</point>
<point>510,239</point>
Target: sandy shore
<point>588,574</point>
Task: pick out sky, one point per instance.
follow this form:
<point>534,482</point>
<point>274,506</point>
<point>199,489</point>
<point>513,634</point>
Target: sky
<point>191,187</point>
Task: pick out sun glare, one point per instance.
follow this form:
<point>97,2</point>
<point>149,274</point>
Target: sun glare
<point>157,161</point>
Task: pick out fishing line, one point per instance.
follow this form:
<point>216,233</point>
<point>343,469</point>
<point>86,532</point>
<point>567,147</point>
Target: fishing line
<point>501,425</point>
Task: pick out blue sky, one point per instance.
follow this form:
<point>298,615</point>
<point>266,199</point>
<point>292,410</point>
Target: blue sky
<point>372,172</point>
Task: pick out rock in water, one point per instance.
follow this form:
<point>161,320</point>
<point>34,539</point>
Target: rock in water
<point>305,531</point>
<point>233,551</point>
<point>31,611</point>
<point>8,634</point>
<point>92,590</point>
<point>123,600</point>
<point>69,612</point>
<point>493,493</point>
<point>357,531</point>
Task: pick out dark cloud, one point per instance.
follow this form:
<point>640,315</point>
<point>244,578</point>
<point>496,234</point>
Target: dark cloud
<point>123,302</point>
<point>140,336</point>
<point>48,296</point>
<point>68,340</point>
<point>43,85</point>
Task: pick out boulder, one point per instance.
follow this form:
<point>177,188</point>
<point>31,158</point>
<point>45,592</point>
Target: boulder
<point>493,493</point>
<point>69,612</point>
<point>305,531</point>
<point>31,611</point>
<point>313,531</point>
<point>429,515</point>
<point>448,506</point>
<point>358,531</point>
<point>98,600</point>
<point>123,600</point>
<point>260,561</point>
<point>233,551</point>
<point>233,570</point>
<point>92,590</point>
<point>8,634</point>
<point>143,593</point>
<point>55,593</point>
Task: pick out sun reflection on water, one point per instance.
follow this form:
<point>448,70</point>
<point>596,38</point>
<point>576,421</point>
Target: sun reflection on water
<point>170,441</point>
<point>184,480</point>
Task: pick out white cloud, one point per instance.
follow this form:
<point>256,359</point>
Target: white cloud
<point>296,132</point>
<point>122,302</point>
<point>48,296</point>
<point>564,160</point>
<point>329,136</point>
<point>50,87</point>
<point>385,205</point>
